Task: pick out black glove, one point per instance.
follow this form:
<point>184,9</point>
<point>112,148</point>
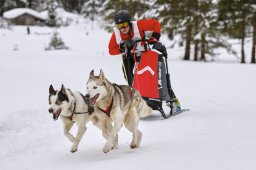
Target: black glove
<point>129,44</point>
<point>156,35</point>
<point>154,38</point>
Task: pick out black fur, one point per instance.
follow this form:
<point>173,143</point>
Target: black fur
<point>62,96</point>
<point>90,108</point>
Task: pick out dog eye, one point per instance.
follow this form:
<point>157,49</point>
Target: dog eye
<point>95,87</point>
<point>58,102</point>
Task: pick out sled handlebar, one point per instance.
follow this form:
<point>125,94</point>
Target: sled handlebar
<point>142,40</point>
<point>131,43</point>
<point>128,45</point>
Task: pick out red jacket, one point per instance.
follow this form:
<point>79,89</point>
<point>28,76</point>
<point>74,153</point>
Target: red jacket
<point>143,25</point>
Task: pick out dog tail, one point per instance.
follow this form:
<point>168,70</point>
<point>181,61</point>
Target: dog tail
<point>146,111</point>
<point>143,109</point>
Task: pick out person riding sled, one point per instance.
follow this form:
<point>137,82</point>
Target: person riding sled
<point>126,30</point>
<point>128,33</point>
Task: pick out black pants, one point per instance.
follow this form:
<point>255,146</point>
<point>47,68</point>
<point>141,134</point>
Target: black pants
<point>128,65</point>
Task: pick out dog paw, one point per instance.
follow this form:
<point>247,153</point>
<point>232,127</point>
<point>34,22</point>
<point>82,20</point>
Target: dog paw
<point>136,141</point>
<point>133,146</point>
<point>106,148</point>
<point>114,147</point>
<point>73,149</point>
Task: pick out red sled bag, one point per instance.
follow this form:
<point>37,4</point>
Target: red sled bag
<point>150,76</point>
<point>146,75</point>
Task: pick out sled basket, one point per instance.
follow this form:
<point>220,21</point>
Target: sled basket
<point>150,77</point>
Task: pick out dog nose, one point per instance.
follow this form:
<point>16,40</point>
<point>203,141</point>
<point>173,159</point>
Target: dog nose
<point>50,110</point>
<point>87,96</point>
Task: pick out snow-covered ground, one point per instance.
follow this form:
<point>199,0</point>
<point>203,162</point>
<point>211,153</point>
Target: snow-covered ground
<point>218,133</point>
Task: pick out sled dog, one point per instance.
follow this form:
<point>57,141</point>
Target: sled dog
<point>122,103</point>
<point>72,108</point>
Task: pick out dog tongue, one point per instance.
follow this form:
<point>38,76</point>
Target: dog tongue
<point>93,100</point>
<point>56,114</point>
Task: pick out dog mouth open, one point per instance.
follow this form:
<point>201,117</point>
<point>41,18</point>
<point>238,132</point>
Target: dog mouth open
<point>92,101</point>
<point>56,114</point>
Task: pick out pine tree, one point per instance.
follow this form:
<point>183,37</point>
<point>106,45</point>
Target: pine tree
<point>177,18</point>
<point>252,21</point>
<point>2,7</point>
<point>32,4</point>
<point>52,21</point>
<point>56,43</point>
<point>9,4</point>
<point>72,6</point>
<point>253,44</point>
<point>91,9</point>
<point>234,16</point>
<point>205,29</point>
<point>38,5</point>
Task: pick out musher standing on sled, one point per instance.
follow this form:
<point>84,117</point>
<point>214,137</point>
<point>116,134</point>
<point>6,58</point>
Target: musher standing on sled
<point>126,30</point>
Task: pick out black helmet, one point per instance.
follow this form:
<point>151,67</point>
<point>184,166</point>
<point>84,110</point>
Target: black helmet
<point>122,16</point>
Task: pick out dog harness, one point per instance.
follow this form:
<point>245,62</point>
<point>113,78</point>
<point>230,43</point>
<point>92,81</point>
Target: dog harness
<point>90,108</point>
<point>132,91</point>
<point>108,109</point>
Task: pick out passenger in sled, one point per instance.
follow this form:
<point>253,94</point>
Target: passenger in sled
<point>128,35</point>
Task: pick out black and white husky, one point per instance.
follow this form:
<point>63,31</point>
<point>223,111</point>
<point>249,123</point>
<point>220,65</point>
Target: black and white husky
<point>72,108</point>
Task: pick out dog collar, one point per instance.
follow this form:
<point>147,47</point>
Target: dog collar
<point>108,109</point>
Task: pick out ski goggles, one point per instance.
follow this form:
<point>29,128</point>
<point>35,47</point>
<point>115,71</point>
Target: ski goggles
<point>122,25</point>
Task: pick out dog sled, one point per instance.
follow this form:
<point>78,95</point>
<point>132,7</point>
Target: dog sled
<point>151,77</point>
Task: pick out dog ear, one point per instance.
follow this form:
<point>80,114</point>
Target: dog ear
<point>52,91</point>
<point>63,89</point>
<point>102,76</point>
<point>92,74</point>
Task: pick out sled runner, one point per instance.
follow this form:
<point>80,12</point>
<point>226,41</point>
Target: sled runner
<point>151,77</point>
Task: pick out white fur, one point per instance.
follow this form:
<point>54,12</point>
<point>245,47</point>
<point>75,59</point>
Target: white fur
<point>69,119</point>
<point>127,113</point>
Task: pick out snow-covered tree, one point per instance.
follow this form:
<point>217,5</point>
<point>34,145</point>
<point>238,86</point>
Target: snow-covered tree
<point>177,18</point>
<point>196,25</point>
<point>38,5</point>
<point>52,20</point>
<point>252,22</point>
<point>72,6</point>
<point>1,7</point>
<point>234,16</point>
<point>91,9</point>
<point>56,43</point>
<point>205,34</point>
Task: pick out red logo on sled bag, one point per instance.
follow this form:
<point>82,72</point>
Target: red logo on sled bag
<point>146,75</point>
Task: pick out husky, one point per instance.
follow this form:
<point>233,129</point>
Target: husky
<point>121,103</point>
<point>72,108</point>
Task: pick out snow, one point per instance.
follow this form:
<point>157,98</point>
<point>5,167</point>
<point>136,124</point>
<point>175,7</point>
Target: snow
<point>218,132</point>
<point>20,11</point>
